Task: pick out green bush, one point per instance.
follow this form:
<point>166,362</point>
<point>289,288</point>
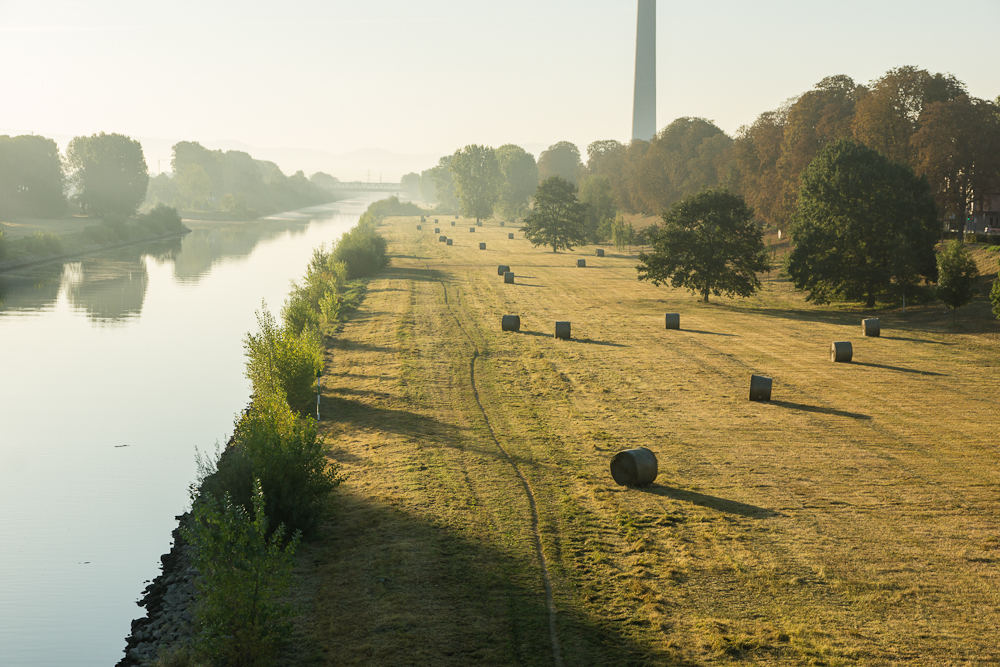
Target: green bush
<point>3,245</point>
<point>319,298</point>
<point>243,570</point>
<point>285,453</point>
<point>362,249</point>
<point>162,219</point>
<point>392,206</point>
<point>283,363</point>
<point>43,243</point>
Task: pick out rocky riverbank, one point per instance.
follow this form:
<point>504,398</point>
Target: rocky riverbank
<point>168,601</point>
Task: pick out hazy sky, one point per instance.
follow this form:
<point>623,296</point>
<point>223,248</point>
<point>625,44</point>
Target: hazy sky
<point>432,76</point>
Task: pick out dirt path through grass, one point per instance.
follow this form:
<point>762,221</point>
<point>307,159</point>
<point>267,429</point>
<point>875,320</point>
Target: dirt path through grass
<point>852,520</point>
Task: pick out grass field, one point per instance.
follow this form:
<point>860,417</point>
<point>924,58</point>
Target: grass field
<point>853,520</point>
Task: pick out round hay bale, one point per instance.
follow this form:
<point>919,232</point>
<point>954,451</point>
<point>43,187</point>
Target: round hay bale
<point>456,216</point>
<point>435,221</point>
<point>510,235</point>
<point>418,226</point>
<point>600,252</point>
<point>510,323</point>
<point>448,242</point>
<point>673,320</point>
<point>502,269</point>
<point>870,327</point>
<point>472,229</point>
<point>452,223</point>
<point>422,219</point>
<point>437,230</point>
<point>442,238</point>
<point>760,388</point>
<point>841,351</point>
<point>482,246</point>
<point>501,223</point>
<point>634,467</point>
<point>479,223</point>
<point>581,262</point>
<point>508,277</point>
<point>562,330</point>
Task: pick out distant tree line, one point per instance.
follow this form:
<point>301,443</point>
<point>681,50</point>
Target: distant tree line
<point>105,175</point>
<point>234,182</point>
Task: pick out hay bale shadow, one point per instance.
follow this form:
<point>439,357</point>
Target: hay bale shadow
<point>820,410</point>
<point>712,502</point>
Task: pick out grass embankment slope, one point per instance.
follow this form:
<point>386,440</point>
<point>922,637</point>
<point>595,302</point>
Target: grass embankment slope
<point>854,519</point>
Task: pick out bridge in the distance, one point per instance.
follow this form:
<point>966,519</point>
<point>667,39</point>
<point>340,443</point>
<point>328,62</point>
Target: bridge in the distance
<point>362,186</point>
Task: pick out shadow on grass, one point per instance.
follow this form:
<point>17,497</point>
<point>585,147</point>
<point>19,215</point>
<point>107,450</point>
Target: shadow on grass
<point>712,502</point>
<point>338,410</point>
<point>410,273</point>
<point>917,340</point>
<point>587,341</point>
<point>391,584</point>
<point>820,410</point>
<point>710,333</point>
<point>346,391</point>
<point>898,368</point>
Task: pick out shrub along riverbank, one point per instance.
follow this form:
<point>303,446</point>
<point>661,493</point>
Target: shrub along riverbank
<point>267,490</point>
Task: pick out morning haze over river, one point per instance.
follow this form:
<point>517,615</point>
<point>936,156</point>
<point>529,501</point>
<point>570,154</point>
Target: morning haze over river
<point>117,366</point>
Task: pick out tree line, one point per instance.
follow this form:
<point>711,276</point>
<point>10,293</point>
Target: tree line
<point>924,120</point>
<point>106,175</point>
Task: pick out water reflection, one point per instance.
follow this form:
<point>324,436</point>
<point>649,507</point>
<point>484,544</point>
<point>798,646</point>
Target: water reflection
<point>112,287</point>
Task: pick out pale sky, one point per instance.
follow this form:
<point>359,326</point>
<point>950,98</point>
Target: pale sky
<point>429,77</point>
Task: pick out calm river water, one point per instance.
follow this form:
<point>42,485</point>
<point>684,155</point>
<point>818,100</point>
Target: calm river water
<point>113,370</point>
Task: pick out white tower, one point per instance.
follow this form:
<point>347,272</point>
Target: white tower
<point>644,102</point>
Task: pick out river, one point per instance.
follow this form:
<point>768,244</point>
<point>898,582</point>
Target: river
<point>114,369</point>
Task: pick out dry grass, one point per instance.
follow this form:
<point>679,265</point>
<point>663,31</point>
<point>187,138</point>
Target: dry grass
<point>851,520</point>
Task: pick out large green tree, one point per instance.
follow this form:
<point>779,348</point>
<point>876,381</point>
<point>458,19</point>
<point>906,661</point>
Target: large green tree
<point>477,180</point>
<point>863,223</point>
<point>109,172</point>
<point>560,159</point>
<point>558,218</point>
<point>710,244</point>
<point>596,192</point>
<point>443,182</point>
<point>957,147</point>
<point>31,177</point>
<point>957,273</point>
<point>518,181</point>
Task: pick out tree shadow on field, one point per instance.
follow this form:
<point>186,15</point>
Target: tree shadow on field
<point>825,316</point>
<point>355,346</point>
<point>710,333</point>
<point>338,410</point>
<point>398,583</point>
<point>917,340</point>
<point>412,273</point>
<point>712,502</point>
<point>820,410</point>
<point>898,368</point>
<point>587,341</point>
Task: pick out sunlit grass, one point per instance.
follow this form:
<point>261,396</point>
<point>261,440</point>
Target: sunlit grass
<point>851,520</point>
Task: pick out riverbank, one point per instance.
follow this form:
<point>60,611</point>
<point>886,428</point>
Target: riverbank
<point>33,242</point>
<point>850,519</point>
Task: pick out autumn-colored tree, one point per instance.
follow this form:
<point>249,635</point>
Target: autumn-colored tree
<point>957,147</point>
<point>753,169</point>
<point>601,156</point>
<point>682,159</point>
<point>821,115</point>
<point>887,116</point>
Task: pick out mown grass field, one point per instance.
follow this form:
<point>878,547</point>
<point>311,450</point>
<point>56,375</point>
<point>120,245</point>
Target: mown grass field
<point>853,520</point>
